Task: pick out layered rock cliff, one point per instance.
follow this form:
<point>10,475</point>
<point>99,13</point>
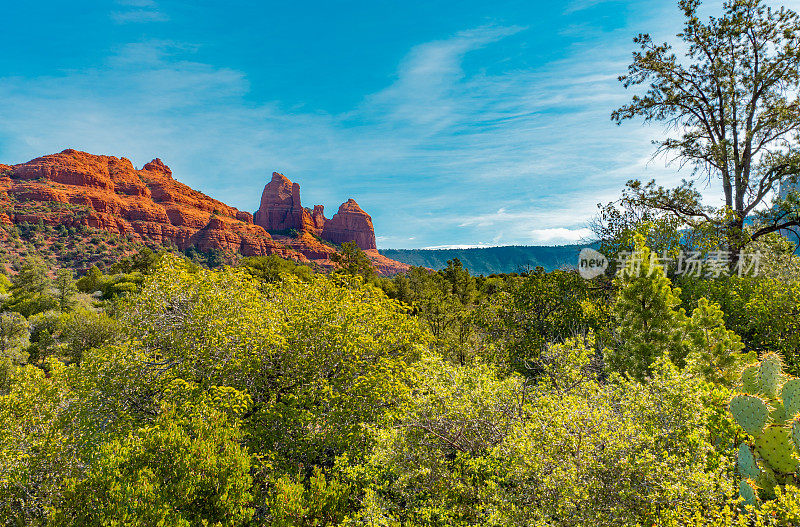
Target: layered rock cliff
<point>281,210</point>
<point>350,224</point>
<point>74,189</point>
<point>108,193</point>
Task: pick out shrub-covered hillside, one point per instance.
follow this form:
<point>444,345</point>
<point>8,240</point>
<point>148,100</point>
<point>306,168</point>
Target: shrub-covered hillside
<point>265,394</point>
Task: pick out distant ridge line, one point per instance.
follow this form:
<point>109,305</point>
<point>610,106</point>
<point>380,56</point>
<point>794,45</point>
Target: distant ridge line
<point>491,260</point>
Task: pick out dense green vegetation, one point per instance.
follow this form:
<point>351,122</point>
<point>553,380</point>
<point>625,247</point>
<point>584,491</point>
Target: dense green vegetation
<point>153,390</point>
<point>161,392</point>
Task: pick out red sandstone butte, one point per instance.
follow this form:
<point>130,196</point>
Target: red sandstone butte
<point>350,224</point>
<point>281,210</point>
<point>74,188</point>
<point>108,193</point>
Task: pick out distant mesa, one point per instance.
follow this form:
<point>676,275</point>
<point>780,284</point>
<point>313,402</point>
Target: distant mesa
<point>74,189</point>
<point>281,210</point>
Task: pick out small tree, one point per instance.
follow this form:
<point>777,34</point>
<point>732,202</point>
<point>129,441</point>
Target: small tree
<point>539,309</point>
<point>13,336</point>
<point>5,283</point>
<point>353,261</point>
<point>462,284</point>
<point>29,290</point>
<point>647,324</point>
<point>65,289</point>
<point>13,330</point>
<point>91,281</point>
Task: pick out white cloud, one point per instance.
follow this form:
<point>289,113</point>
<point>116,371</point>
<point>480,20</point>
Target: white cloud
<point>560,235</point>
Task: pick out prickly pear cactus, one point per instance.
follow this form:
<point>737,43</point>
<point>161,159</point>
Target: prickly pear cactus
<point>768,410</point>
<point>751,412</point>
<point>750,382</point>
<point>790,393</point>
<point>746,463</point>
<point>748,492</point>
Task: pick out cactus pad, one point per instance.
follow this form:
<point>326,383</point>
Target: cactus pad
<point>796,432</point>
<point>770,374</point>
<point>750,379</point>
<point>790,393</point>
<point>777,413</point>
<point>777,448</point>
<point>746,463</point>
<point>750,412</point>
<point>747,490</point>
<point>767,483</point>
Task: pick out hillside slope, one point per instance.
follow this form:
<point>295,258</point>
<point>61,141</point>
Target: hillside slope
<point>79,209</point>
<point>488,260</point>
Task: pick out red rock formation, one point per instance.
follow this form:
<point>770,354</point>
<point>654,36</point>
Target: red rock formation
<point>108,193</point>
<point>75,188</point>
<point>223,233</point>
<point>318,217</point>
<point>350,224</point>
<point>312,248</point>
<point>280,208</point>
<point>386,266</point>
<point>320,253</point>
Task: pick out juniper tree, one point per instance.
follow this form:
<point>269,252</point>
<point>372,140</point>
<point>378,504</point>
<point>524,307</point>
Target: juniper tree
<point>65,289</point>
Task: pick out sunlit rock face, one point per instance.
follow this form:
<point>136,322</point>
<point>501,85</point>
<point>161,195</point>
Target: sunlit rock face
<point>281,210</point>
<point>350,224</point>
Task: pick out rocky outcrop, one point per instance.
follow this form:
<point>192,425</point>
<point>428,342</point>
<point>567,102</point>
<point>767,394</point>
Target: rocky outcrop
<point>280,208</point>
<point>74,189</point>
<point>314,249</point>
<point>108,193</point>
<point>386,266</point>
<point>350,224</point>
<point>281,211</point>
<point>318,218</point>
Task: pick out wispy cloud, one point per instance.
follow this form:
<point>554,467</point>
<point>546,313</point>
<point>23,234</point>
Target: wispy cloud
<point>574,6</point>
<point>138,11</point>
<point>444,154</point>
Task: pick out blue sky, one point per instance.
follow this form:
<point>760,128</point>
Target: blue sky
<point>452,123</point>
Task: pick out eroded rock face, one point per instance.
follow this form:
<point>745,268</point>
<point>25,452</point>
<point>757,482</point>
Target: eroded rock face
<point>108,193</point>
<point>350,224</point>
<point>386,266</point>
<point>74,188</point>
<point>318,218</point>
<point>280,208</point>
